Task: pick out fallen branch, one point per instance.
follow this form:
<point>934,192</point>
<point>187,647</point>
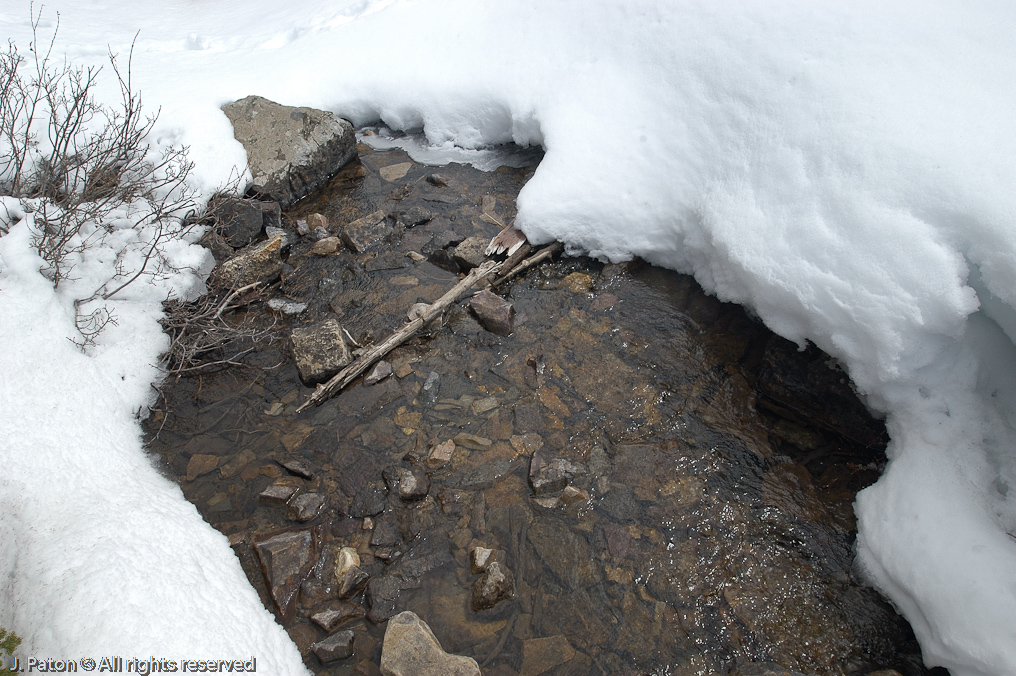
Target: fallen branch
<point>542,255</point>
<point>347,375</point>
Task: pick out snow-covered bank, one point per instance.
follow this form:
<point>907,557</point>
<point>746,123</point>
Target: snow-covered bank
<point>845,169</point>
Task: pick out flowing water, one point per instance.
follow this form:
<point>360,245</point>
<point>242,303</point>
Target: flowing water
<point>708,523</point>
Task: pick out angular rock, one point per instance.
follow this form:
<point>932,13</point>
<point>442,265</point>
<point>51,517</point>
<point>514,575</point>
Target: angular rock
<point>305,507</point>
<point>578,282</point>
<point>385,534</point>
<point>338,646</point>
<point>315,221</point>
<point>410,484</point>
<point>320,351</point>
<point>495,585</point>
<point>566,553</point>
<point>352,581</point>
<point>383,591</point>
<point>345,559</point>
<point>380,371</point>
<point>239,220</point>
<point>235,465</point>
<point>299,467</point>
<point>288,236</point>
<point>394,172</point>
<point>285,560</point>
<point>470,253</point>
<point>495,313</point>
<point>326,246</point>
<point>257,263</point>
<point>480,558</point>
<point>335,613</point>
<point>411,649</point>
<point>271,216</point>
<point>200,464</point>
<point>549,473</point>
<point>571,495</point>
<point>291,151</point>
<point>415,216</point>
<point>365,232</point>
<point>369,501</point>
<point>540,655</point>
<point>279,493</point>
<point>441,454</point>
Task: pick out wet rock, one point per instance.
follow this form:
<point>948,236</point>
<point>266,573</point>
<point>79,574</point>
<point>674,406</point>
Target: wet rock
<point>472,441</point>
<point>338,646</point>
<point>578,282</point>
<point>199,465</point>
<point>369,501</point>
<point>540,655</point>
<point>287,307</point>
<point>385,534</point>
<point>495,585</point>
<point>431,389</point>
<point>550,473</point>
<point>469,253</point>
<point>620,504</point>
<point>291,151</point>
<point>495,313</point>
<point>415,216</point>
<point>285,560</point>
<point>298,467</point>
<point>762,669</point>
<point>363,233</point>
<point>345,559</point>
<point>414,484</point>
<point>271,217</point>
<point>441,454</point>
<point>571,495</point>
<point>411,649</point>
<point>305,507</point>
<point>481,557</point>
<point>438,180</point>
<point>257,263</point>
<point>279,492</point>
<point>236,464</point>
<point>240,221</point>
<point>566,553</point>
<point>482,476</point>
<point>383,591</point>
<point>320,351</point>
<point>315,221</point>
<point>380,371</point>
<point>352,581</point>
<point>336,613</point>
<point>394,172</point>
<point>326,246</point>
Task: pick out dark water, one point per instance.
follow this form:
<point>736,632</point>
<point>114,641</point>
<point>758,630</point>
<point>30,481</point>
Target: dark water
<point>708,527</point>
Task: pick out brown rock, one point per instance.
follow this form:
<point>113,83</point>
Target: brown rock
<point>363,233</point>
<point>338,646</point>
<point>411,649</point>
<point>315,221</point>
<point>441,454</point>
<point>336,613</point>
<point>578,282</point>
<point>284,561</point>
<point>540,655</point>
<point>380,371</point>
<point>200,464</point>
<point>320,351</point>
<point>495,313</point>
<point>549,473</point>
<point>469,253</point>
<point>495,585</point>
<point>257,263</point>
<point>352,581</point>
<point>326,246</point>
<point>280,492</point>
<point>305,507</point>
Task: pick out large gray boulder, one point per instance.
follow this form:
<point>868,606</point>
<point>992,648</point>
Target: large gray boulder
<point>291,151</point>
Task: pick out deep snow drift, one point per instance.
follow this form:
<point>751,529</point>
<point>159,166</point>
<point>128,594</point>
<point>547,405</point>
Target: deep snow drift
<point>844,169</point>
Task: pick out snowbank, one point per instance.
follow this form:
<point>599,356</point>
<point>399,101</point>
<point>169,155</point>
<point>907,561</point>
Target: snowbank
<point>844,169</point>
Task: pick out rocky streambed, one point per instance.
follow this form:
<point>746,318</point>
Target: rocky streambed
<point>637,479</point>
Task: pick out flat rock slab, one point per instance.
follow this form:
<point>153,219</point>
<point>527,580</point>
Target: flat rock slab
<point>363,233</point>
<point>291,151</point>
<point>338,646</point>
<point>284,561</point>
<point>411,649</point>
<point>200,464</point>
<point>540,655</point>
<point>257,263</point>
<point>320,351</point>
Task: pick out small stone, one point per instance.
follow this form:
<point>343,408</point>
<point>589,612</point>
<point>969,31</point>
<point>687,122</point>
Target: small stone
<point>411,649</point>
<point>472,441</point>
<point>604,301</point>
<point>271,217</point>
<point>320,351</point>
<point>315,221</point>
<point>365,232</point>
<point>305,507</point>
<point>368,523</point>
<point>338,646</point>
<point>380,371</point>
<point>548,474</point>
<point>540,655</point>
<point>335,614</point>
<point>394,172</point>
<point>318,234</point>
<point>441,454</point>
<point>495,313</point>
<point>552,502</point>
<point>496,585</point>
<point>200,464</point>
<point>571,495</point>
<point>416,256</point>
<point>284,559</point>
<point>415,216</point>
<point>257,263</point>
<point>527,444</point>
<point>578,282</point>
<point>384,535</point>
<point>438,180</point>
<point>302,228</point>
<point>481,406</point>
<point>470,253</point>
<point>369,501</point>
<point>345,559</point>
<point>352,581</point>
<point>414,484</point>
<point>479,558</point>
<point>279,493</point>
<point>299,467</point>
<point>287,307</point>
<point>326,246</point>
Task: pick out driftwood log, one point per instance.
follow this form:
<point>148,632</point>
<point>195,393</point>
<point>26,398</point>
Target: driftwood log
<point>486,271</point>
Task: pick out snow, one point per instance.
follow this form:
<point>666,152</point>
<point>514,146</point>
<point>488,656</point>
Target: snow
<point>845,170</point>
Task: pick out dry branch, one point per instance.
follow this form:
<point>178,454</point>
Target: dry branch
<point>476,277</point>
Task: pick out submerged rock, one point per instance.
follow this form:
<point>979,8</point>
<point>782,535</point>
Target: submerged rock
<point>411,649</point>
<point>338,646</point>
<point>320,351</point>
<point>495,313</point>
<point>540,655</point>
<point>291,151</point>
<point>495,585</point>
<point>285,560</point>
<point>363,233</point>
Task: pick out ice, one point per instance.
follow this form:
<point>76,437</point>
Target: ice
<point>845,170</point>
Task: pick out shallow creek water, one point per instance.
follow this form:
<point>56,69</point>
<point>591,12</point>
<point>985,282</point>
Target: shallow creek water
<point>716,464</point>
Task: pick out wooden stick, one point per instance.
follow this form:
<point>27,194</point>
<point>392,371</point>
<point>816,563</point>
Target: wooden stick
<point>543,254</point>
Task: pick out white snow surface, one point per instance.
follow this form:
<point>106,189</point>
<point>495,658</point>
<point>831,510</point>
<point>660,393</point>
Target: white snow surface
<point>844,169</point>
